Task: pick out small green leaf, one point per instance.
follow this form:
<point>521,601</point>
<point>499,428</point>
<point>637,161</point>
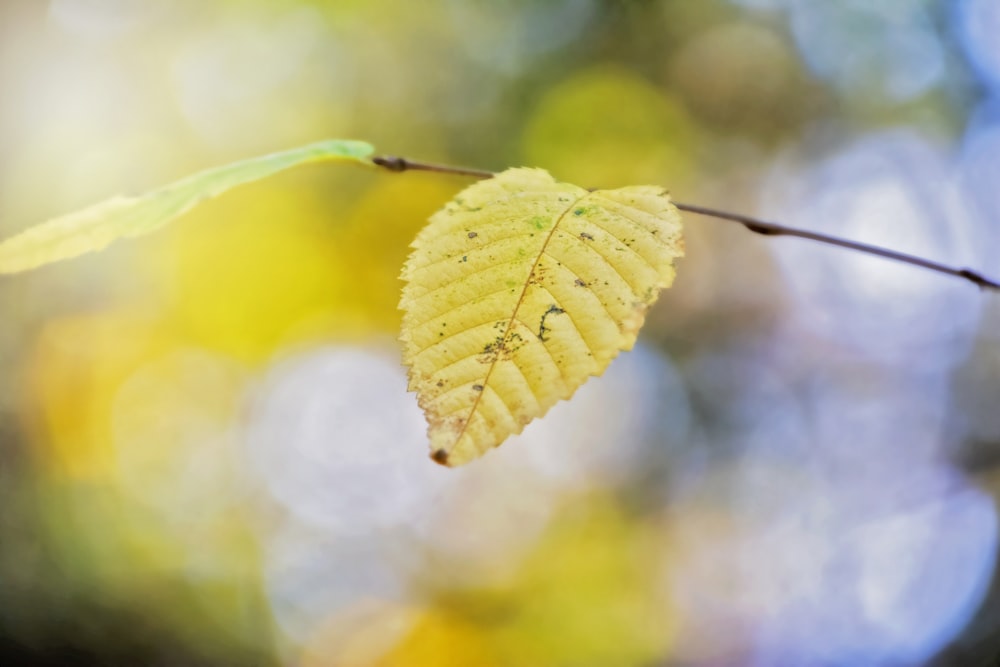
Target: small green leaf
<point>97,226</point>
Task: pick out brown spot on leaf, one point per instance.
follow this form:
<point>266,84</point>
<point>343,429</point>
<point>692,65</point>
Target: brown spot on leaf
<point>586,237</point>
<point>473,235</point>
<point>477,387</point>
<point>491,348</point>
<point>580,282</point>
<point>538,274</point>
<point>440,456</point>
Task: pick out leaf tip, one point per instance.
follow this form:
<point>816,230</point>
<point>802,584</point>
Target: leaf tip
<point>440,456</point>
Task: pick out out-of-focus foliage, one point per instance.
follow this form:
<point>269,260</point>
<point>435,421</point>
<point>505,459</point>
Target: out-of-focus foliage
<point>585,266</point>
<point>644,133</point>
<point>97,226</point>
<point>207,452</point>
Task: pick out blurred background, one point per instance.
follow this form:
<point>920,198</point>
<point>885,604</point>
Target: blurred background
<point>207,453</point>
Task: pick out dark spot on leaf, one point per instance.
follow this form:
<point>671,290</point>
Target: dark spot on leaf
<point>580,282</point>
<point>502,347</point>
<point>477,387</point>
<point>473,235</point>
<point>440,383</point>
<point>579,211</point>
<point>440,456</point>
<point>542,329</point>
<point>465,258</point>
<point>491,351</point>
<point>586,237</point>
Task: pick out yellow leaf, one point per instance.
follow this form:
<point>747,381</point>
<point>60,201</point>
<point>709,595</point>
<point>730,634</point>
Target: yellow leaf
<point>519,290</point>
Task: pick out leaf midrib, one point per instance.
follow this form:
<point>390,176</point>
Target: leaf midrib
<point>510,321</point>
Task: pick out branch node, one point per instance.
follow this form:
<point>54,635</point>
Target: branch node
<point>391,162</point>
<point>765,230</point>
<point>979,279</point>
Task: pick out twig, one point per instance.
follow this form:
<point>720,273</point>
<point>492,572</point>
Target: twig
<point>772,229</point>
<point>393,163</point>
<point>755,225</point>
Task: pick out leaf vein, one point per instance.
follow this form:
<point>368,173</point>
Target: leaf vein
<point>453,309</point>
<point>520,301</point>
<point>607,261</point>
<point>577,276</point>
<point>586,344</point>
<point>659,239</point>
<point>460,280</point>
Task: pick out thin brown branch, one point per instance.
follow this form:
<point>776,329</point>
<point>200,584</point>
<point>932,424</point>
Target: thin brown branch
<point>393,163</point>
<point>772,229</point>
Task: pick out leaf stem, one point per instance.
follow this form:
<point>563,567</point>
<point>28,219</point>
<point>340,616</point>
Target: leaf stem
<point>755,225</point>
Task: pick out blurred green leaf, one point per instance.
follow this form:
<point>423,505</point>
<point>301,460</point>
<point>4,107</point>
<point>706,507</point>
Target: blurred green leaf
<point>97,226</point>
